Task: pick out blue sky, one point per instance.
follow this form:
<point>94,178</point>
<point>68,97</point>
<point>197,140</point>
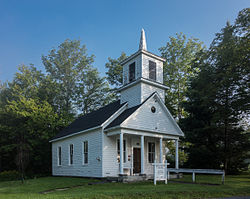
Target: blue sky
<point>29,29</point>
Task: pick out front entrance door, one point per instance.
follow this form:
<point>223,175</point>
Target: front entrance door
<point>137,160</point>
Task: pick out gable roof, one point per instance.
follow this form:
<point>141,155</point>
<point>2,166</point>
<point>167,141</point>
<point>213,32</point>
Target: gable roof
<point>91,120</point>
<point>122,117</point>
<point>127,113</point>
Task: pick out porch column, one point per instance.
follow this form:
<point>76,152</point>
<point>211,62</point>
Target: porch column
<point>160,150</point>
<point>121,153</point>
<point>176,154</point>
<point>142,154</point>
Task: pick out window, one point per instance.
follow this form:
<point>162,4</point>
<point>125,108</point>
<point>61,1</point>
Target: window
<point>153,109</point>
<point>151,152</point>
<point>132,72</point>
<point>59,156</point>
<point>118,150</point>
<point>85,152</point>
<point>152,70</point>
<point>71,152</point>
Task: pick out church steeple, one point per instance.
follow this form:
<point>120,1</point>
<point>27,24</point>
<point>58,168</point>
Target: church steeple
<point>143,44</point>
<point>142,75</point>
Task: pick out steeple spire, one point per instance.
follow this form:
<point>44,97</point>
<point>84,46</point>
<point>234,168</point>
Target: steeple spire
<point>143,44</point>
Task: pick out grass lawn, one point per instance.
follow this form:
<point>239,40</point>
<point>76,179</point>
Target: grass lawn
<point>181,188</point>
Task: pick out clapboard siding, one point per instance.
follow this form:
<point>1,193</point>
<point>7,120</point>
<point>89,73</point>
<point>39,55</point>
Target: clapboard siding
<point>132,95</point>
<point>147,90</point>
<point>92,169</point>
<point>144,119</point>
<point>110,164</point>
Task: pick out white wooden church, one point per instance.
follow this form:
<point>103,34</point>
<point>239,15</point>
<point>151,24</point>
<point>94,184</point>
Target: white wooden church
<point>126,136</point>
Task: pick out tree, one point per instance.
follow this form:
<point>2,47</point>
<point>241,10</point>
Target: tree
<point>115,70</point>
<point>27,122</point>
<point>232,91</point>
<point>77,85</point>
<point>93,93</point>
<point>180,54</point>
<point>218,98</point>
<point>66,66</point>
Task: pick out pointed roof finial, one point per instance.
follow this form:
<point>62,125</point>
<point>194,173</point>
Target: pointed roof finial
<point>143,44</point>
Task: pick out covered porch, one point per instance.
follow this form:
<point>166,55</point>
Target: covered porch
<point>140,150</point>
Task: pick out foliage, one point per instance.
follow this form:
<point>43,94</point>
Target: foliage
<point>93,92</point>
<point>36,106</point>
<point>181,54</point>
<point>217,100</point>
<point>27,122</point>
<point>114,74</point>
<point>183,156</point>
<point>9,175</point>
<point>77,85</point>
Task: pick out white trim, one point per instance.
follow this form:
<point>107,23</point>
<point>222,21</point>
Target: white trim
<point>142,154</point>
<point>161,154</point>
<point>102,151</point>
<point>142,52</point>
<point>73,134</point>
<point>121,154</point>
<point>176,154</point>
<point>146,134</point>
<point>147,81</point>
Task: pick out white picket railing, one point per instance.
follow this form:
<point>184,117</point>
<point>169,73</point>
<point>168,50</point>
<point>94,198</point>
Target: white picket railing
<point>160,172</point>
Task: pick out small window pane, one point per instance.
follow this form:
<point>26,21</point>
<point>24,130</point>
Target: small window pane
<point>71,154</point>
<point>59,156</point>
<point>151,152</point>
<point>85,152</point>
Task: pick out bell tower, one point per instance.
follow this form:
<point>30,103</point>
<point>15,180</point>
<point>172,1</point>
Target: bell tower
<point>142,75</point>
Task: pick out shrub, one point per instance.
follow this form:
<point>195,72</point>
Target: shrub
<point>9,175</point>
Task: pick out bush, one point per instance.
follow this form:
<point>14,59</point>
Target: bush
<point>9,175</point>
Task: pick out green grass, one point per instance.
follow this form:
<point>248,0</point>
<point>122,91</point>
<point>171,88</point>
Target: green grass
<point>180,188</point>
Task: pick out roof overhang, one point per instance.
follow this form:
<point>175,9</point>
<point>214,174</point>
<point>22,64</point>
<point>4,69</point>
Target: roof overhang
<point>145,53</point>
<point>76,133</point>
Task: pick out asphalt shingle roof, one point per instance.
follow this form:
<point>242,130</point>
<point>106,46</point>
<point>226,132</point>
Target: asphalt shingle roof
<point>91,120</point>
<point>123,116</point>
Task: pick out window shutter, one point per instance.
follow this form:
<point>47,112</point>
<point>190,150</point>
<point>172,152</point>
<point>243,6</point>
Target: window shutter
<point>132,72</point>
<point>152,70</point>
